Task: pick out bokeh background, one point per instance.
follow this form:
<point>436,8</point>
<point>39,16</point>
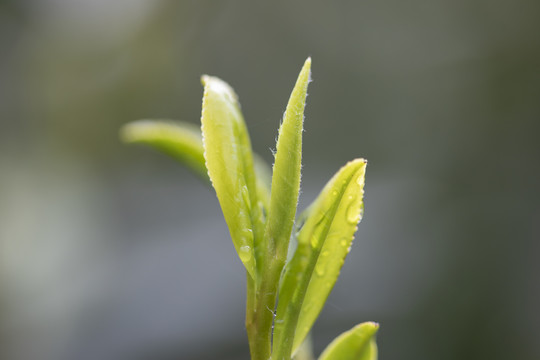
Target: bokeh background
<point>115,252</point>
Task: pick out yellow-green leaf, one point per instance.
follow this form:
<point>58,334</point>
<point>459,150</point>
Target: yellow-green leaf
<point>229,160</point>
<point>324,241</point>
<point>355,344</point>
<point>183,141</point>
<point>286,171</point>
<point>180,140</point>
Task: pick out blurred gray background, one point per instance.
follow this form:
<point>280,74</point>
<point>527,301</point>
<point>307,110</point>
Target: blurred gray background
<point>115,252</point>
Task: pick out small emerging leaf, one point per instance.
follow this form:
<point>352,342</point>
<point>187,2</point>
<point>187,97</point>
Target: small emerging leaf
<point>229,159</point>
<point>178,139</point>
<point>324,241</point>
<point>355,344</point>
<point>286,172</point>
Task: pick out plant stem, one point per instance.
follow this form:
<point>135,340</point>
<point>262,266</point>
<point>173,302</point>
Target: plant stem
<point>260,311</point>
<point>251,321</point>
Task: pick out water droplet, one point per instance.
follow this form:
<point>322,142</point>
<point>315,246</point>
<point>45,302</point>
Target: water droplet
<point>353,213</point>
<point>319,270</point>
<point>334,193</point>
<point>360,180</point>
<point>314,241</point>
<point>343,242</point>
<point>247,236</point>
<point>245,253</point>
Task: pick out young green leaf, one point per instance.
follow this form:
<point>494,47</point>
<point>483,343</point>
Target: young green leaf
<point>355,344</point>
<point>324,241</point>
<point>286,172</point>
<point>280,219</point>
<point>229,159</point>
<point>183,141</point>
<point>180,140</point>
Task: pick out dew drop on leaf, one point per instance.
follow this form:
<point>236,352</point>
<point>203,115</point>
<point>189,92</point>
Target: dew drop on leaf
<point>314,242</point>
<point>245,253</point>
<point>247,236</point>
<point>319,270</point>
<point>353,213</point>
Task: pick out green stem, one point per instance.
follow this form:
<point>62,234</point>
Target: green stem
<point>260,312</point>
<point>251,324</point>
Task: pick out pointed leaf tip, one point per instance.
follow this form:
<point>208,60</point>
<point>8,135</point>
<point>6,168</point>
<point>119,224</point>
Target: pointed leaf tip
<point>286,171</point>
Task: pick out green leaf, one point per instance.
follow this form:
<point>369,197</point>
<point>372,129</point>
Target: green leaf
<point>286,171</point>
<point>180,140</point>
<point>324,241</point>
<point>183,141</point>
<point>355,344</point>
<point>229,159</point>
